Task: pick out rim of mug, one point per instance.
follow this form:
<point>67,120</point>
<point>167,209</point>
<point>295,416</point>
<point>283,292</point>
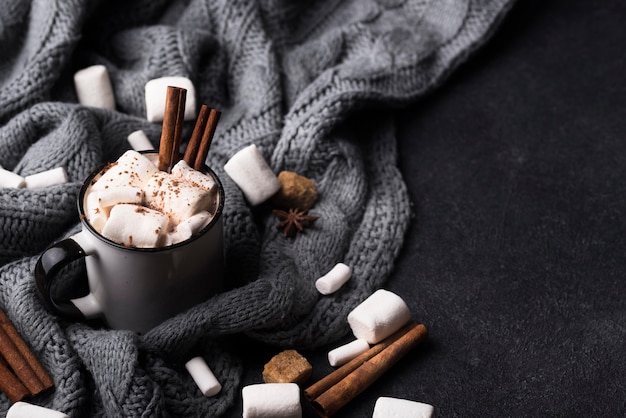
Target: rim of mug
<point>86,224</point>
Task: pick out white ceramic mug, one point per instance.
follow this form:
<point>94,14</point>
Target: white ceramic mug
<point>135,288</point>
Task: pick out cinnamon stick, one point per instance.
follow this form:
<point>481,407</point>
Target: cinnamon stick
<point>327,382</point>
<point>26,353</point>
<point>173,121</point>
<point>10,385</point>
<point>207,139</point>
<point>201,137</point>
<point>196,135</point>
<point>343,385</point>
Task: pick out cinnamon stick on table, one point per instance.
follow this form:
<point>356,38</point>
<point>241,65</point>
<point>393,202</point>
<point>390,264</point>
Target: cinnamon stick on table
<point>201,137</point>
<point>19,357</point>
<point>334,391</point>
<point>173,121</point>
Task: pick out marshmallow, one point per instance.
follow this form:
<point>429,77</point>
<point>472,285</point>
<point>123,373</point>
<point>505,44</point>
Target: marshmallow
<point>188,227</point>
<point>249,170</point>
<point>175,197</point>
<point>203,376</point>
<point>135,226</point>
<point>139,141</point>
<point>156,91</point>
<point>93,87</point>
<point>10,179</point>
<point>23,409</point>
<point>271,400</point>
<point>114,195</point>
<point>182,169</point>
<point>379,316</point>
<point>131,169</point>
<point>346,352</point>
<point>99,202</point>
<point>387,407</point>
<point>46,178</point>
<point>96,214</point>
<point>334,279</point>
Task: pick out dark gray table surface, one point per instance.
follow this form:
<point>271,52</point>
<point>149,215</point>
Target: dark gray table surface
<point>516,259</point>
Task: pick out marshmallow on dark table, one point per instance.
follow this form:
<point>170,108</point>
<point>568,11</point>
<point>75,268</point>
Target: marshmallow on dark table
<point>379,316</point>
<point>387,407</point>
<point>271,400</point>
<point>343,354</point>
<point>254,177</point>
<point>156,92</point>
<point>334,279</point>
<point>139,141</point>
<point>203,376</point>
<point>46,178</point>
<point>93,87</point>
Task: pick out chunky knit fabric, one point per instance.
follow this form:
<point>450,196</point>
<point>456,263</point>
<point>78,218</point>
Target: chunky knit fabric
<point>310,83</point>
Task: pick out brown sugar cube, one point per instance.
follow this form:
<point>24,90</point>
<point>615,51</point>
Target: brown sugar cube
<point>288,366</point>
<point>296,191</point>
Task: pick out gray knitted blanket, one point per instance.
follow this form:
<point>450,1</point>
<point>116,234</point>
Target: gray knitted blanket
<point>312,84</point>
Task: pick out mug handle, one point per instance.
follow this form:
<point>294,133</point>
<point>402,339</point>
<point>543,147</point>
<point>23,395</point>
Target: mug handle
<point>50,263</point>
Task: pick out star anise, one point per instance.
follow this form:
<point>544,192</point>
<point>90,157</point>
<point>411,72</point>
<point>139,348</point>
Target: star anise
<point>293,221</point>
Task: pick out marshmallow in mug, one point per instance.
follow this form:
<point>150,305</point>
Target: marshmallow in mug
<point>379,316</point>
<point>387,407</point>
<point>271,400</point>
<point>135,204</point>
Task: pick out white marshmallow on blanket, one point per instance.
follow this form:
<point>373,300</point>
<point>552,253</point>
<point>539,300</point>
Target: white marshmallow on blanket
<point>93,87</point>
<point>156,92</point>
<point>379,316</point>
<point>387,407</point>
<point>46,178</point>
<point>136,226</point>
<point>10,179</point>
<point>188,227</point>
<point>334,279</point>
<point>175,197</point>
<point>23,409</point>
<point>131,169</point>
<point>271,400</point>
<point>139,141</point>
<point>203,376</point>
<point>249,170</point>
<point>343,354</point>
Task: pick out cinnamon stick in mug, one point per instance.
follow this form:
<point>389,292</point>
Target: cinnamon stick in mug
<point>201,137</point>
<point>173,121</point>
<point>350,380</point>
